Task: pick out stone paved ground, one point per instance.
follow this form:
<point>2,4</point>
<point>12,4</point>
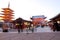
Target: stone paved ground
<point>30,36</point>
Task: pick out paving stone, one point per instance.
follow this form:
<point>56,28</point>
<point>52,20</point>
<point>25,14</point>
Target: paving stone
<point>30,36</point>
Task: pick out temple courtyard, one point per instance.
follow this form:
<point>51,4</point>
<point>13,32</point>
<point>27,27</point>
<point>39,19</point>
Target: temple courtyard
<point>30,36</point>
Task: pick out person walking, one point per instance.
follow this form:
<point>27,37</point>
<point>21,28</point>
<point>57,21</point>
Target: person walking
<point>56,26</point>
<point>32,28</point>
<point>18,27</point>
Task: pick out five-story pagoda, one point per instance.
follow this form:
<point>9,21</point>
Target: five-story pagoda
<point>7,14</point>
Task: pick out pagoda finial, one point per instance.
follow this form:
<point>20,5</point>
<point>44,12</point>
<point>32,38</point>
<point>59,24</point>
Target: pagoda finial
<point>8,4</point>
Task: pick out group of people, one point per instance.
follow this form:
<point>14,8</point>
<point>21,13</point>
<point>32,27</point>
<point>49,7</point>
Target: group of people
<point>19,27</point>
<point>55,26</point>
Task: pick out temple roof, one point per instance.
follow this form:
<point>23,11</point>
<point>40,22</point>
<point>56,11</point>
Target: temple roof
<point>7,9</point>
<point>57,16</point>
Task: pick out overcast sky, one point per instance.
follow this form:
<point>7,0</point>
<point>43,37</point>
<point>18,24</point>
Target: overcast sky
<point>27,8</point>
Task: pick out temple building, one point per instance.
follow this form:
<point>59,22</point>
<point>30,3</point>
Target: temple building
<point>7,18</point>
<point>7,14</point>
<point>56,18</point>
<point>38,20</point>
<point>20,21</point>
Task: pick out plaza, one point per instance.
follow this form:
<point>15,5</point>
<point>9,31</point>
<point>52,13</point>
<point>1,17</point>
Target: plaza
<point>30,36</point>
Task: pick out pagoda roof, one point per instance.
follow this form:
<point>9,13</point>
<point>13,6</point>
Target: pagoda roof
<point>8,14</point>
<point>7,9</point>
<point>0,16</point>
<point>6,17</point>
